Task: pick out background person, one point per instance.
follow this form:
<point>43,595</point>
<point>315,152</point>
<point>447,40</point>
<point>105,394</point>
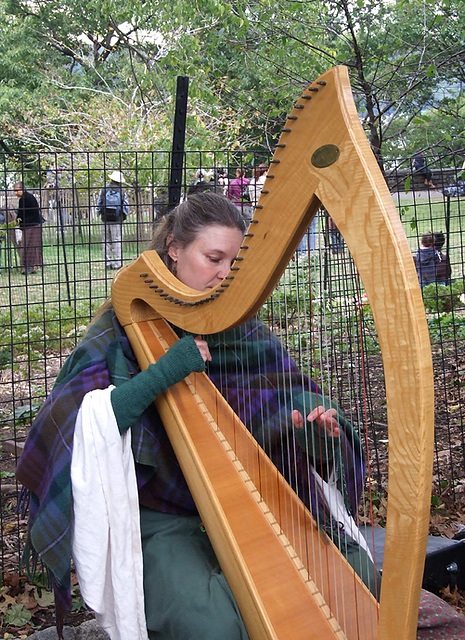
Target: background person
<point>443,268</point>
<point>221,179</point>
<point>113,208</point>
<point>30,223</point>
<point>238,191</point>
<point>427,260</point>
<point>256,183</point>
<point>420,165</point>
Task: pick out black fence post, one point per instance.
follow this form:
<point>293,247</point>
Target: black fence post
<point>179,136</point>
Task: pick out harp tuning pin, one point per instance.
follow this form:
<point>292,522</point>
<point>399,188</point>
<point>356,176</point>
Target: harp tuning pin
<point>287,130</point>
<point>281,145</point>
<point>265,191</point>
<point>244,246</point>
<point>229,278</point>
<point>234,268</point>
<point>148,281</point>
<point>306,97</point>
<point>143,275</point>
<point>164,295</point>
<point>322,83</point>
<point>313,89</point>
<point>293,117</point>
<point>239,258</point>
<point>259,206</point>
<point>299,106</point>
<point>248,235</point>
<point>224,285</point>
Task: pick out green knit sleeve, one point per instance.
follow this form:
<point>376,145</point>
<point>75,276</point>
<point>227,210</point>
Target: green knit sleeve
<point>130,399</point>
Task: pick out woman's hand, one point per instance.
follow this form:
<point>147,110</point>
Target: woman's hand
<point>203,348</point>
<point>325,418</point>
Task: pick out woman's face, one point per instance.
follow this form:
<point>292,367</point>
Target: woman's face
<point>204,262</point>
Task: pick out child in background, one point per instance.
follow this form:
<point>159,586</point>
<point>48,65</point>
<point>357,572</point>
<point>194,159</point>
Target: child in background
<point>427,260</point>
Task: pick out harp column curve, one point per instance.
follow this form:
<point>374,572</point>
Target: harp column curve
<point>353,190</point>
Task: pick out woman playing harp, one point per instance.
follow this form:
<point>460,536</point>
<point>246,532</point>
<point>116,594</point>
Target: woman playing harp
<point>186,594</point>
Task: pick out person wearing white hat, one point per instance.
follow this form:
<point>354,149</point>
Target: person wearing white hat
<point>117,176</point>
<point>113,208</point>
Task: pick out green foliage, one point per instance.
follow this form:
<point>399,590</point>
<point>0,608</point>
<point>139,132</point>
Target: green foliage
<point>446,327</point>
<point>87,75</point>
<point>34,325</point>
<point>24,414</point>
<point>5,356</point>
<point>17,616</point>
<point>77,603</point>
<point>442,298</point>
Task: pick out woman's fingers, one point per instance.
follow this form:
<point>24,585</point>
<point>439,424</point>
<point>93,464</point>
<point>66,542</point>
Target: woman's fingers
<point>326,419</point>
<point>203,348</point>
<point>297,419</point>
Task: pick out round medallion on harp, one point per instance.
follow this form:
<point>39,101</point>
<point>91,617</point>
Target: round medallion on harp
<point>325,156</point>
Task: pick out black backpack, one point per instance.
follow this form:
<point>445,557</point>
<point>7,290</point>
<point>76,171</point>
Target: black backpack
<point>245,195</point>
<point>112,208</point>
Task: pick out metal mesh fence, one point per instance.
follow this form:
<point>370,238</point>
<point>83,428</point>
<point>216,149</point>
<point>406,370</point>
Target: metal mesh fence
<point>43,314</point>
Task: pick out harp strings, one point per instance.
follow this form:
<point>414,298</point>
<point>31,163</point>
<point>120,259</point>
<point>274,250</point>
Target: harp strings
<point>342,315</point>
<point>304,320</point>
<point>313,347</point>
<point>339,281</point>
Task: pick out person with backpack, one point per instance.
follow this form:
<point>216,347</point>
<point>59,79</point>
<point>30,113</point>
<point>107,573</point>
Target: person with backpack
<point>238,189</point>
<point>427,260</point>
<point>113,208</point>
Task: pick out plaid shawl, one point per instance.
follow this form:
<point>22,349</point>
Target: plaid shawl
<point>251,369</point>
<point>263,385</point>
<point>45,464</point>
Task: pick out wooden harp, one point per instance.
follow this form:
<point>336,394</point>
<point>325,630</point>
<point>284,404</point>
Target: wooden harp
<point>323,157</point>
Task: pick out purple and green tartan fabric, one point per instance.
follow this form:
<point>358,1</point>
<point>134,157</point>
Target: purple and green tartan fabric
<point>263,385</point>
<point>251,369</point>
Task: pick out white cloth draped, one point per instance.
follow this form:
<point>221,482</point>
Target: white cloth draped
<point>107,547</point>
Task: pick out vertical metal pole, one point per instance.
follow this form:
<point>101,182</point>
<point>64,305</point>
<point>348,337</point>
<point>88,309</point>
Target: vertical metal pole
<point>447,222</point>
<point>179,136</point>
<point>60,221</point>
